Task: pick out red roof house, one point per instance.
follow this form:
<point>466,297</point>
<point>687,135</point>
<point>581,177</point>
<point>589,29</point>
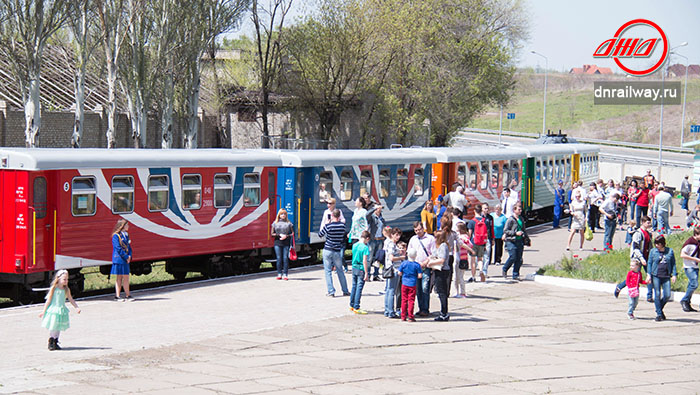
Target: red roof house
<point>591,69</point>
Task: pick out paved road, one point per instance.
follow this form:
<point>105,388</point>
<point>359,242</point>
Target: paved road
<point>255,334</point>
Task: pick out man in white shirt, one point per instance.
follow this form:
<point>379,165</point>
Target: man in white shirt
<point>508,203</point>
<point>457,199</point>
<point>609,211</point>
<point>424,245</point>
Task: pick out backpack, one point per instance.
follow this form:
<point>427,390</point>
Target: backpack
<point>481,231</point>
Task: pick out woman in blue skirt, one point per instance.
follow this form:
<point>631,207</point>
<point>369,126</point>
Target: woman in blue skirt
<point>121,257</point>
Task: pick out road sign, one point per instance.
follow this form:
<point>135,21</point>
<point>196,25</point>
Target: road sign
<point>694,128</point>
<point>511,115</point>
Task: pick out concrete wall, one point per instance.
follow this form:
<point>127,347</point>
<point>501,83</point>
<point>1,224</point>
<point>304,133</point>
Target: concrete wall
<point>672,176</point>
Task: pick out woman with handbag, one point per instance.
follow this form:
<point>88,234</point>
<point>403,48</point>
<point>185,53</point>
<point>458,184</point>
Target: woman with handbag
<point>578,219</point>
<point>121,258</point>
<point>283,232</point>
<point>392,262</point>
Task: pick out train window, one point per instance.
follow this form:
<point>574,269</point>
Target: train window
<point>472,177</point>
<point>192,191</point>
<point>568,168</point>
<point>506,175</point>
<point>158,193</point>
<point>551,169</point>
<point>556,169</point>
<point>384,182</point>
<point>39,199</point>
<point>122,194</point>
<point>495,175</point>
<point>251,189</point>
<point>223,191</point>
<point>402,182</point>
<point>366,182</point>
<point>325,181</point>
<point>461,175</point>
<point>418,182</point>
<point>83,196</point>
<point>484,184</point>
<point>515,168</point>
<point>346,185</point>
<point>538,170</point>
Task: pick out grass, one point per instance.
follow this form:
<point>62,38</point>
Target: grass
<point>613,267</point>
<point>573,109</point>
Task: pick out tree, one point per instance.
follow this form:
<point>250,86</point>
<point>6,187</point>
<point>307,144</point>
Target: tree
<point>114,22</point>
<point>268,22</point>
<point>167,17</point>
<point>137,75</point>
<point>25,28</point>
<point>448,61</point>
<point>332,56</point>
<point>81,20</point>
<point>206,20</point>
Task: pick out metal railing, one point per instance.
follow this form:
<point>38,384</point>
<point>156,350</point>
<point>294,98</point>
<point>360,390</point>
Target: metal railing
<point>614,143</point>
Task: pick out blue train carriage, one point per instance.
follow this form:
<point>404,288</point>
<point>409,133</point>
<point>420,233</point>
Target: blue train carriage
<point>398,179</point>
<point>546,165</point>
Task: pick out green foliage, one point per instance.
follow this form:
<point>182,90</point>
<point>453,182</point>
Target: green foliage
<point>613,267</point>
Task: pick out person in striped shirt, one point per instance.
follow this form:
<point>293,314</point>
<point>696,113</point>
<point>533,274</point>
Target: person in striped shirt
<point>334,232</point>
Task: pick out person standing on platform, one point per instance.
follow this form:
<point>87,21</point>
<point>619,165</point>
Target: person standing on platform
<point>594,202</point>
<point>634,278</point>
<point>662,273</point>
<point>283,232</point>
<point>649,180</point>
<point>632,194</point>
<point>516,238</point>
<point>360,271</point>
<point>439,261</point>
<point>377,242</point>
<point>639,249</point>
<point>428,217</point>
<point>479,234</point>
<point>424,245</point>
<point>410,273</point>
<point>509,201</point>
<point>55,313</point>
<point>121,258</point>
<point>328,214</point>
<point>609,210</point>
<point>458,200</point>
<point>663,206</point>
<point>578,219</point>
<point>391,263</point>
<point>439,210</point>
<point>334,232</point>
<point>499,222</point>
<point>685,194</point>
<point>559,196</point>
<point>690,253</point>
<point>642,204</point>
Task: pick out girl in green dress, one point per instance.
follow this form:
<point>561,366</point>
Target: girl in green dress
<point>55,313</point>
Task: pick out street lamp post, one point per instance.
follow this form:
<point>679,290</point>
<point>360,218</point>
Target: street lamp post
<point>544,111</point>
<point>685,91</point>
<point>661,122</point>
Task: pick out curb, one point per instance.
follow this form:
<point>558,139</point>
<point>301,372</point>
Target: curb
<point>588,285</point>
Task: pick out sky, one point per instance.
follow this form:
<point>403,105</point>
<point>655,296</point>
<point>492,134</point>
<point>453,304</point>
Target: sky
<point>568,32</point>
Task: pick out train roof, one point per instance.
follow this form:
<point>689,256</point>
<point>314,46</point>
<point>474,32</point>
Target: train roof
<point>555,149</point>
<point>473,153</point>
<point>67,158</point>
<point>352,157</point>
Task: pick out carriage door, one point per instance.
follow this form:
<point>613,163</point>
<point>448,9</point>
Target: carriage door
<point>303,194</point>
<point>42,219</point>
<point>527,194</point>
<point>285,193</point>
<point>575,166</point>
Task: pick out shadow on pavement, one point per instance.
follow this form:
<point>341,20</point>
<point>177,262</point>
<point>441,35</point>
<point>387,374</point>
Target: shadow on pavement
<point>84,348</point>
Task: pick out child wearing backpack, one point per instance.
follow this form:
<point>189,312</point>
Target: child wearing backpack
<point>479,232</point>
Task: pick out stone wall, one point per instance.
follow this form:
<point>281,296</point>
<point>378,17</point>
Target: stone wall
<point>57,127</point>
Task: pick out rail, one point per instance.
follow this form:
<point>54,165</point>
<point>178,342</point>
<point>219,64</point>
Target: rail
<point>613,143</point>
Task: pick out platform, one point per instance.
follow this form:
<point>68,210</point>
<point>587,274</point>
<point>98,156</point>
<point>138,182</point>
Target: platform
<point>254,334</point>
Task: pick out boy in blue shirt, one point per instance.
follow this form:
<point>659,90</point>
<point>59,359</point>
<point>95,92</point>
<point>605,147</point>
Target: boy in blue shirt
<point>410,271</point>
<point>360,271</point>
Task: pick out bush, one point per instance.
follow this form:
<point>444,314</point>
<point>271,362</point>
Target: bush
<point>613,267</point>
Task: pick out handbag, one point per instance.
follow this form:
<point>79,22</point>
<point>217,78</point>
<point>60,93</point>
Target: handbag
<point>588,234</point>
<point>388,271</point>
<point>293,251</point>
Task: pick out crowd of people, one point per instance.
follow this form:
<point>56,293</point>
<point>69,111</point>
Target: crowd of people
<point>619,207</point>
<point>444,247</point>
